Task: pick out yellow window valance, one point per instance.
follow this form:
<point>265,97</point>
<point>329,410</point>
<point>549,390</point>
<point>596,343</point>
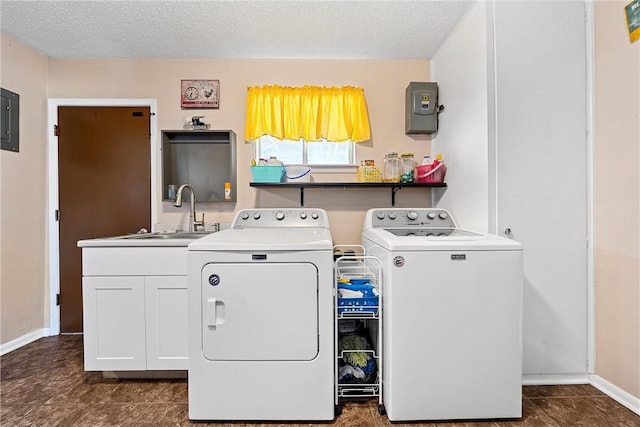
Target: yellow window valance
<point>311,113</point>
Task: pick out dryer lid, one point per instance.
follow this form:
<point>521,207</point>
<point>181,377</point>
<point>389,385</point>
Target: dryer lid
<point>291,239</point>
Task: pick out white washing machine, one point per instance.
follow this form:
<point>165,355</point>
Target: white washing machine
<point>260,318</point>
<point>452,317</point>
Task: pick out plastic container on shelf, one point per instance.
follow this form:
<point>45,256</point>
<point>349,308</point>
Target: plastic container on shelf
<point>432,172</point>
<point>391,168</point>
<point>407,166</point>
<point>268,173</point>
<point>369,174</point>
<point>298,173</point>
<point>268,170</point>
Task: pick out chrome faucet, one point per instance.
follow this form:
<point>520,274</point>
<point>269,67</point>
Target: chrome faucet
<point>193,222</point>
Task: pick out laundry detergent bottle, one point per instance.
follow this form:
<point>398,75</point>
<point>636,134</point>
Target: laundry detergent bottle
<point>273,161</point>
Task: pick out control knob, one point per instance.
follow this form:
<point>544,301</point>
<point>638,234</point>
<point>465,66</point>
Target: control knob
<point>245,215</point>
<point>315,215</point>
<point>443,215</point>
<point>380,215</point>
<point>412,215</point>
<point>279,215</point>
<point>256,215</point>
<point>431,215</point>
<point>303,215</point>
<point>392,215</point>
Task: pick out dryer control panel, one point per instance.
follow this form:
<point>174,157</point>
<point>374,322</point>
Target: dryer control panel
<point>406,217</point>
<point>284,218</point>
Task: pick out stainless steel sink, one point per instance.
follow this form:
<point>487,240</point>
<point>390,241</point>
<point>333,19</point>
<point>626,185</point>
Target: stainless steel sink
<point>192,235</point>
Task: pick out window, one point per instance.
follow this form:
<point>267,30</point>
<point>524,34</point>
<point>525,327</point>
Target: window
<point>314,153</point>
<point>312,125</point>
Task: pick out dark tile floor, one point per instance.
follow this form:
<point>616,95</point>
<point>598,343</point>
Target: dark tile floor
<point>43,384</point>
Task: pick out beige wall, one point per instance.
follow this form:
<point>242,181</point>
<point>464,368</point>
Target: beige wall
<point>617,199</point>
<point>23,286</point>
<point>384,83</point>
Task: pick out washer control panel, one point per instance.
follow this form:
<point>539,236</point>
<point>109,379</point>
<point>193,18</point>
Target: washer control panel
<point>403,217</point>
<point>286,217</point>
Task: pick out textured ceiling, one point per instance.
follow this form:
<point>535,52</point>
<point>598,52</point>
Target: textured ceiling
<point>233,29</point>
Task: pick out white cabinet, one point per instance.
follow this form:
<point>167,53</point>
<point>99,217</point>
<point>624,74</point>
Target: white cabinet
<point>166,322</point>
<point>114,324</point>
<point>135,308</point>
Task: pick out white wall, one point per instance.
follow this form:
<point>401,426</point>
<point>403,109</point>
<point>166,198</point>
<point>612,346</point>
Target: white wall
<point>460,69</point>
<point>541,148</point>
<point>513,81</point>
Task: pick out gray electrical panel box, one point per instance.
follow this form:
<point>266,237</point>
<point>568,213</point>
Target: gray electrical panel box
<point>10,121</point>
<point>421,108</point>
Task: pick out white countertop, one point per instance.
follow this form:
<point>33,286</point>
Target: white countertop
<point>158,239</point>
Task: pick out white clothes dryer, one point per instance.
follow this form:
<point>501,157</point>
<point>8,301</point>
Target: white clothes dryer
<point>452,317</point>
<point>260,318</point>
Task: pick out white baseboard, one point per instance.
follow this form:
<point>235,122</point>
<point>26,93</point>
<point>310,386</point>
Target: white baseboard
<point>616,393</point>
<point>555,379</point>
<point>23,340</point>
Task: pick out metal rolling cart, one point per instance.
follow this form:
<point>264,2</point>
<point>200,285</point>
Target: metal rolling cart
<point>358,328</point>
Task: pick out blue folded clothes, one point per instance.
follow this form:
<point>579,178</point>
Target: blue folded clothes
<point>366,290</point>
<point>348,293</point>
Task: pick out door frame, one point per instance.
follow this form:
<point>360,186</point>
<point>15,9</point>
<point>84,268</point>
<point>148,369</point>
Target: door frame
<point>52,185</point>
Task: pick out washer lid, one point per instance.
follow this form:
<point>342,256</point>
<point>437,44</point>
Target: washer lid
<point>433,233</point>
<point>242,239</point>
<point>426,239</point>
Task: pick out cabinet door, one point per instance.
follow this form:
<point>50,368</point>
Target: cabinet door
<point>114,332</point>
<point>166,322</point>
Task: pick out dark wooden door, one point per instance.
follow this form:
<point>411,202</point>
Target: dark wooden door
<point>104,178</point>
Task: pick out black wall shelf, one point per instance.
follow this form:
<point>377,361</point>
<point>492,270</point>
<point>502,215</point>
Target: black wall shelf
<point>394,186</point>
